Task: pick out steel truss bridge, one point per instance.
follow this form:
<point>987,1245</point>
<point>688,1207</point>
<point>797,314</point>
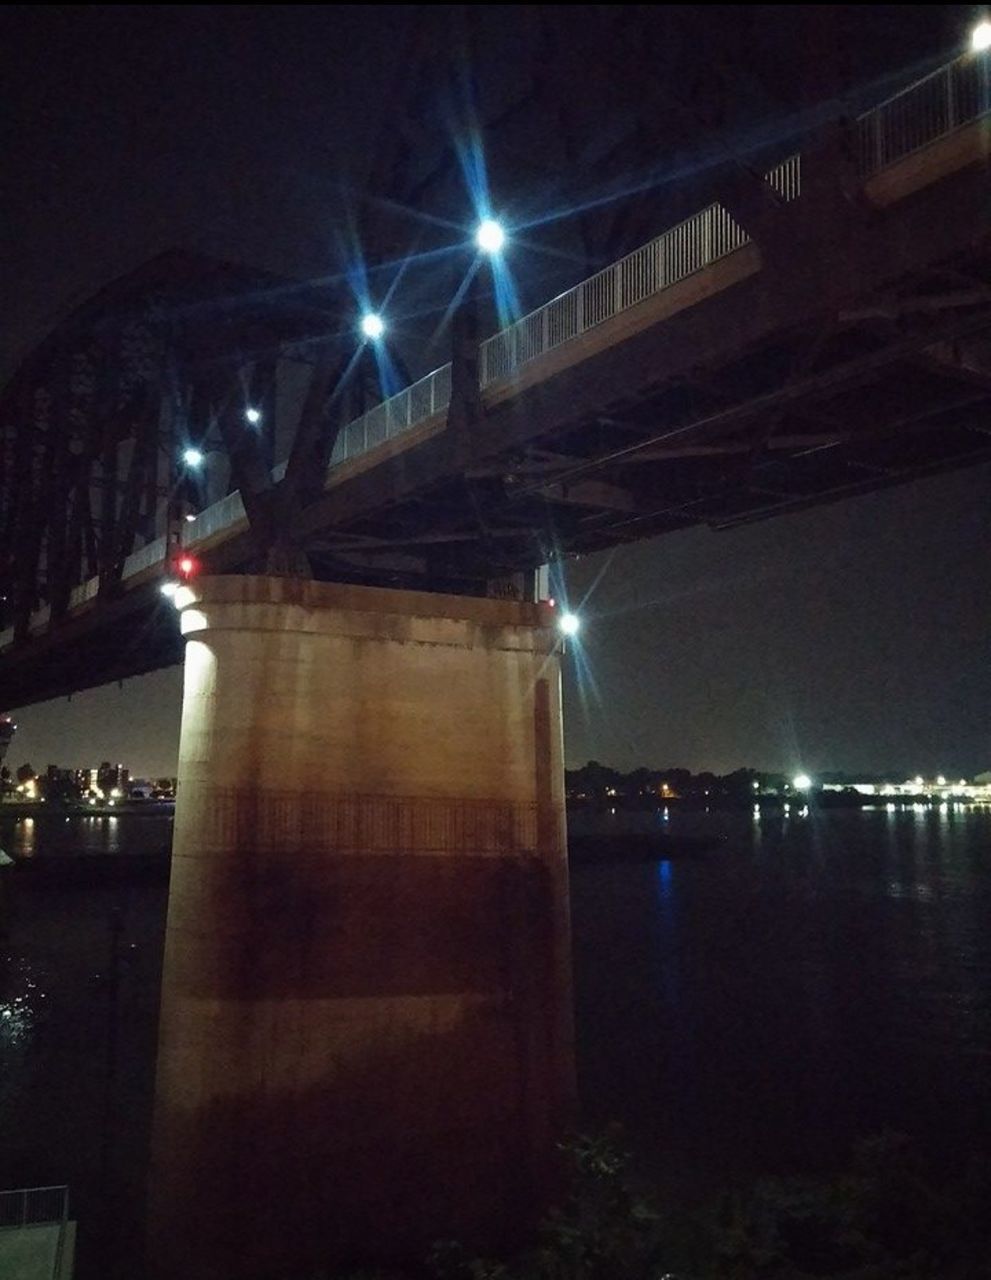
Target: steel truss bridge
<point>823,330</point>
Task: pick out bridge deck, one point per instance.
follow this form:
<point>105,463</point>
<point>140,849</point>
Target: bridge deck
<point>710,376</point>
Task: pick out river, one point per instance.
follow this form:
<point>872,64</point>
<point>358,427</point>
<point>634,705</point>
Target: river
<point>752,1009</point>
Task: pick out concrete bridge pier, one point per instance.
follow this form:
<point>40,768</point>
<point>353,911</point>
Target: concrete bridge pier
<point>365,1033</point>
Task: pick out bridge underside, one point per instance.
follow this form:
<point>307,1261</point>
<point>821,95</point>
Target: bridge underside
<point>847,348</point>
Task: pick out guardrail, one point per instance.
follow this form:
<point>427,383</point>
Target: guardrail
<point>33,1206</point>
<point>148,556</point>
<point>931,108</point>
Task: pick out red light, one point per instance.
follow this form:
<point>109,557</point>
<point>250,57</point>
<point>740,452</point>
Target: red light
<point>187,566</point>
<point>552,602</point>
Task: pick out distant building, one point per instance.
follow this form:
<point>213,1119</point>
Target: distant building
<point>940,788</point>
<point>111,778</point>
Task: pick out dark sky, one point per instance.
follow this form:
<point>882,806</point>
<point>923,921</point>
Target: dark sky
<point>853,636</point>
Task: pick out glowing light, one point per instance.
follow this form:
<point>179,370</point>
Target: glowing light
<point>801,782</point>
<point>168,589</point>
<point>569,624</point>
<point>190,517</point>
<point>372,325</point>
<point>940,781</point>
<point>253,415</point>
<point>490,236</point>
<point>918,782</point>
<point>186,566</point>
<point>192,457</point>
<point>980,37</point>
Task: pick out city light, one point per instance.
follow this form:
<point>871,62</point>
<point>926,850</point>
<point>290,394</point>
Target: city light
<point>190,517</point>
<point>918,781</point>
<point>940,781</point>
<point>192,457</point>
<point>490,236</point>
<point>372,325</point>
<point>801,782</point>
<point>186,566</point>
<point>168,589</point>
<point>252,415</point>
<point>569,624</point>
<point>980,37</point>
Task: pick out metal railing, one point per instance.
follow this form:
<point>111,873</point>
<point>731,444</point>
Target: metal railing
<point>87,590</point>
<point>681,251</point>
<point>937,105</point>
<point>151,554</point>
<point>215,518</point>
<point>411,406</point>
<point>34,1206</point>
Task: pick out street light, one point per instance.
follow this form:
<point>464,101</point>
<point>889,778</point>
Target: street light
<point>253,415</point>
<point>801,782</point>
<point>569,624</point>
<point>193,457</point>
<point>490,236</point>
<point>372,325</point>
<point>980,37</point>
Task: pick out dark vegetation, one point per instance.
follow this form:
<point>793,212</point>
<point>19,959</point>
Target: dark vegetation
<point>886,1218</point>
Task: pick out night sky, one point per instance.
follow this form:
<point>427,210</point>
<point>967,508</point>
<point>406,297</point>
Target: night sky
<point>852,637</point>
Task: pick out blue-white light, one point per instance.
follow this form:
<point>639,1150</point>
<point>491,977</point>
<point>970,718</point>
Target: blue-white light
<point>490,236</point>
<point>372,325</point>
<point>569,624</point>
<point>192,457</point>
<point>980,37</point>
<point>253,415</point>
<point>801,782</point>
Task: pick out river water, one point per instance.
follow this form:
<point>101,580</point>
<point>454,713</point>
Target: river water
<point>749,1009</point>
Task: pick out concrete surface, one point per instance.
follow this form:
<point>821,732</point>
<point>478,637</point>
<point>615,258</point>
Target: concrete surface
<point>365,1036</point>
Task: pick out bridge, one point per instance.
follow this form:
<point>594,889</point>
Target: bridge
<point>817,333</point>
<point>365,1009</point>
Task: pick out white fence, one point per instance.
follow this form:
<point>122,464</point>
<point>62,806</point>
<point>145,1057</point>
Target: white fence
<point>937,105</point>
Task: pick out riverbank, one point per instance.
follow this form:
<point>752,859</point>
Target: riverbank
<point>86,809</point>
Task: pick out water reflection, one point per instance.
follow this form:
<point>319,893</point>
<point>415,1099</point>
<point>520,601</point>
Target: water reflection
<point>55,834</point>
<point>815,981</point>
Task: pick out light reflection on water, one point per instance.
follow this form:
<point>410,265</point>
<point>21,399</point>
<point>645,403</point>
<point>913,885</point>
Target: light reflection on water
<point>813,978</point>
<point>55,834</point>
<point>810,978</point>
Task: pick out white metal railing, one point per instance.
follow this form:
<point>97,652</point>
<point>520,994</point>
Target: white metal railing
<point>33,1206</point>
<point>680,252</point>
<point>411,406</point>
<point>214,518</point>
<point>151,554</point>
<point>786,178</point>
<point>933,107</point>
<point>87,590</point>
<point>938,104</point>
